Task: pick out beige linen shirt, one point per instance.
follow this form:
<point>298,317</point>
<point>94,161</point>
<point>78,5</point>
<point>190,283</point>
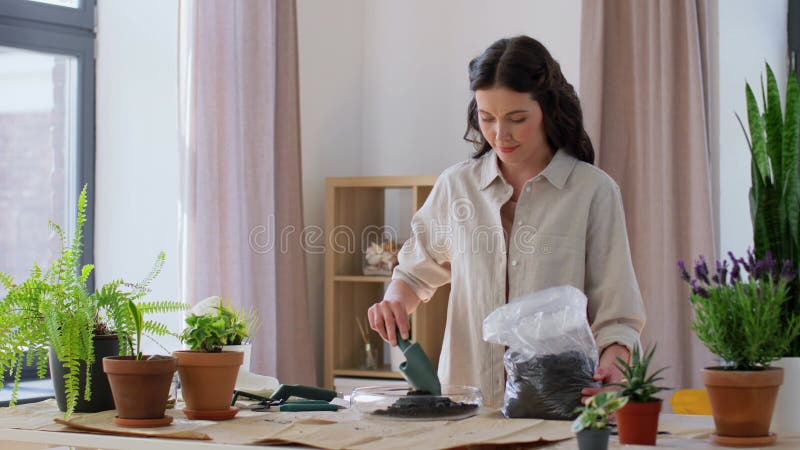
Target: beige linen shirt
<point>569,228</point>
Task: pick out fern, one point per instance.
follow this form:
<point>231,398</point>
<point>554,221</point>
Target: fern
<point>67,314</point>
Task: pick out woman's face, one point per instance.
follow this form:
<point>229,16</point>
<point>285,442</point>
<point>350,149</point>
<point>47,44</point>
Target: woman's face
<point>511,122</point>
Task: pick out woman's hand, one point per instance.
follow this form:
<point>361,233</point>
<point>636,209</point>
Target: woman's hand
<point>607,371</point>
<point>392,312</point>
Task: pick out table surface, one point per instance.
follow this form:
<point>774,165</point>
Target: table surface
<point>689,432</point>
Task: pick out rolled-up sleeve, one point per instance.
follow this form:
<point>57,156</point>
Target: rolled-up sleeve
<point>616,310</point>
<point>424,259</point>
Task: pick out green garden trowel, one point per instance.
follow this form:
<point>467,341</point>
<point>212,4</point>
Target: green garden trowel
<point>417,368</point>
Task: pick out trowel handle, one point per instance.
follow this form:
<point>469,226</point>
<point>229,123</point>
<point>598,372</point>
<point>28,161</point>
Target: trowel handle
<point>402,343</point>
<point>285,391</point>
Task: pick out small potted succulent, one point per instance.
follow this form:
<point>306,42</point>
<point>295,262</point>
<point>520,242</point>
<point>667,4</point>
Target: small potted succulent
<point>207,372</point>
<point>637,421</point>
<point>747,324</point>
<point>140,383</point>
<point>591,425</point>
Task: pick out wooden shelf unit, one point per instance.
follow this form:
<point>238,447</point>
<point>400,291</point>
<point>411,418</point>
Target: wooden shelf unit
<point>354,205</point>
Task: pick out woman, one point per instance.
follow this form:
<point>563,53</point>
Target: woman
<point>527,212</point>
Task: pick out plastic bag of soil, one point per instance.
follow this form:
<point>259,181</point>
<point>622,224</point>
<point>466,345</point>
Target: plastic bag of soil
<point>551,352</point>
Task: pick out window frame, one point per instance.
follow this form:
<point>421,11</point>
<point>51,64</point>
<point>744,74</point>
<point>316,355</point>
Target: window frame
<point>62,30</point>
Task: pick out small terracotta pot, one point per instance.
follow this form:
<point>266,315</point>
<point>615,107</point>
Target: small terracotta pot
<point>742,401</point>
<point>637,423</point>
<point>207,382</point>
<point>140,388</point>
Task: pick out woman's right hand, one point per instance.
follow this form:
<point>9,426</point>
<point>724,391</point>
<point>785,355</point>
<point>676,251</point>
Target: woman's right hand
<point>391,313</point>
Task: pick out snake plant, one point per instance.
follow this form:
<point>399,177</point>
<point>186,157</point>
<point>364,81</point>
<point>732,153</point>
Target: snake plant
<point>775,190</point>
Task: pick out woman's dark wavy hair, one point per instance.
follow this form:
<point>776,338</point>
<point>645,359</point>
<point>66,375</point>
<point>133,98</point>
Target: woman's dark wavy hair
<point>523,64</point>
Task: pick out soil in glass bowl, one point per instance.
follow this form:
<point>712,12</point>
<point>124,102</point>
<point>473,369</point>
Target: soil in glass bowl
<point>454,403</point>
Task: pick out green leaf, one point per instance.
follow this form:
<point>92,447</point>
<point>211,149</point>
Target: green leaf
<point>790,159</point>
<point>774,126</point>
<point>757,136</point>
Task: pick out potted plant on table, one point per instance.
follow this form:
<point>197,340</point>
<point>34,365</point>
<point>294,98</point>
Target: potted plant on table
<point>591,425</point>
<point>774,196</point>
<point>74,327</point>
<point>742,322</point>
<point>140,383</point>
<point>207,372</point>
<point>637,421</point>
<point>239,339</point>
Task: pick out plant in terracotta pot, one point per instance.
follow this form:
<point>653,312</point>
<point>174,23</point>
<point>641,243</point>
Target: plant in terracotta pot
<point>740,320</point>
<point>140,383</point>
<point>591,425</point>
<point>207,372</point>
<point>240,338</point>
<point>773,197</point>
<point>637,421</point>
<point>75,328</point>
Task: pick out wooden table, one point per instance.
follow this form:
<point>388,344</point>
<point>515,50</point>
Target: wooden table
<point>689,432</point>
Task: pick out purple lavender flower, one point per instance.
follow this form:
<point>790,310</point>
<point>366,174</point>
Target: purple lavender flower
<point>722,271</point>
<point>699,290</point>
<point>701,270</point>
<point>736,270</point>
<point>684,274</point>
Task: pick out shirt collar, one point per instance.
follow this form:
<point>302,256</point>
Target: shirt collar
<point>556,172</point>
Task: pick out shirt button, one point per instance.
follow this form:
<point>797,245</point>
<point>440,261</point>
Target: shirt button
<point>514,263</point>
<point>527,188</point>
<point>519,223</point>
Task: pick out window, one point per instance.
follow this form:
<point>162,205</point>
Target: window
<point>47,87</point>
<point>46,126</point>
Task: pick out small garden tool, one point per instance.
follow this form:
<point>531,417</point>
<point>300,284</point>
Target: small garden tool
<point>314,399</point>
<point>417,368</point>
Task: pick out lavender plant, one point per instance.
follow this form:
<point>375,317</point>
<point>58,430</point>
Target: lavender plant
<point>739,309</point>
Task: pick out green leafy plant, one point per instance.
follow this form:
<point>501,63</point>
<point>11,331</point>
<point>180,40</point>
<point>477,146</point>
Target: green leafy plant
<point>65,316</point>
<point>595,413</point>
<point>209,332</point>
<point>637,385</point>
<point>743,321</point>
<point>140,326</point>
<point>775,190</point>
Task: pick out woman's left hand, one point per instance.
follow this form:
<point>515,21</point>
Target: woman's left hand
<point>607,371</point>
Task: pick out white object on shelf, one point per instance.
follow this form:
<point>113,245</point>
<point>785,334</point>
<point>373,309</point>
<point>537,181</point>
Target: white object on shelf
<point>346,385</point>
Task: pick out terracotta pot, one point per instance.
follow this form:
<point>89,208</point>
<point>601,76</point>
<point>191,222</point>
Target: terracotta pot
<point>101,400</point>
<point>637,423</point>
<point>140,388</point>
<point>742,401</point>
<point>207,381</point>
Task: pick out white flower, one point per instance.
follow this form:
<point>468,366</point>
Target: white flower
<point>207,306</point>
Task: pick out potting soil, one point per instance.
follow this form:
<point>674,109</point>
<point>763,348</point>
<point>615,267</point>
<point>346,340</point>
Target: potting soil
<point>423,405</point>
<point>546,386</point>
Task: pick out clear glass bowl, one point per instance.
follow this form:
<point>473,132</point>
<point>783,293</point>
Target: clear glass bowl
<point>394,403</point>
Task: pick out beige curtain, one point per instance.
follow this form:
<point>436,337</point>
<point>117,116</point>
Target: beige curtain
<point>240,173</point>
<point>644,90</point>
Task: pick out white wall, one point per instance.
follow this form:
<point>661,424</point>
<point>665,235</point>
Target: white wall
<point>750,33</point>
<point>137,142</point>
<point>416,88</point>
